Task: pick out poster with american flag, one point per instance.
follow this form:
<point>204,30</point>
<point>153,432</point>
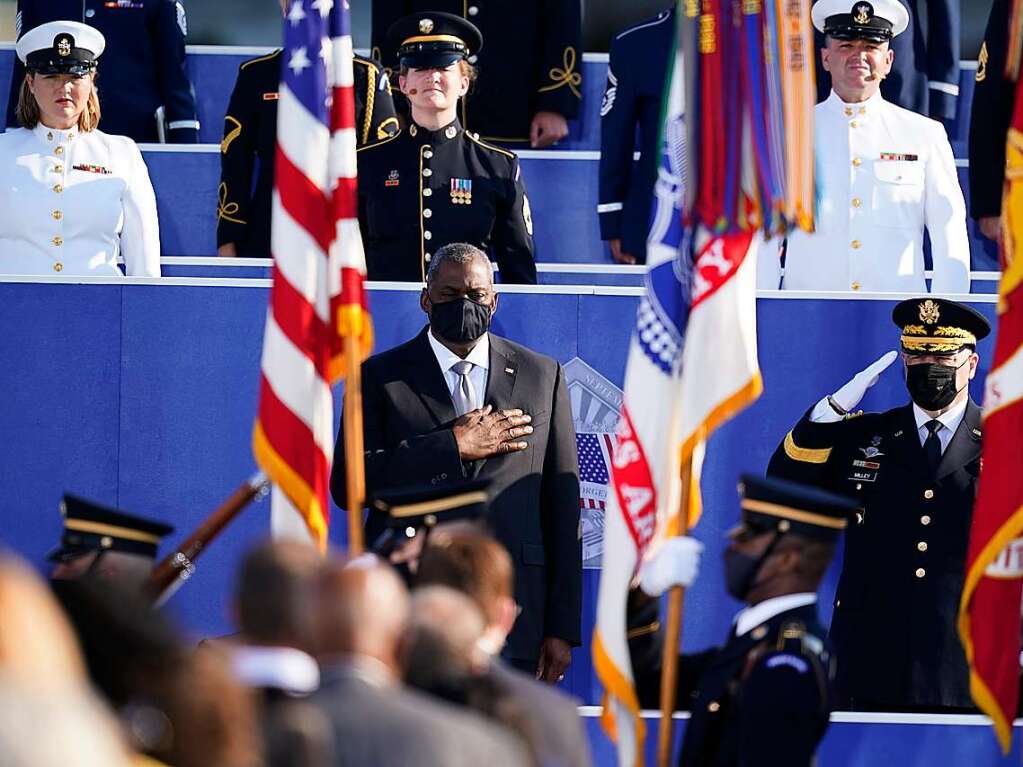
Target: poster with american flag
<point>318,296</point>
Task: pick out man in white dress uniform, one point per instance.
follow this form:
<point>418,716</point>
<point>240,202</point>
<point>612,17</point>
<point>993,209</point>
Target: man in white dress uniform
<point>884,174</point>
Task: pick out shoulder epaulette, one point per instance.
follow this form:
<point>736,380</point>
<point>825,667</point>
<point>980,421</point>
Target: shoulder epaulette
<point>256,60</point>
<point>475,138</point>
<point>375,144</point>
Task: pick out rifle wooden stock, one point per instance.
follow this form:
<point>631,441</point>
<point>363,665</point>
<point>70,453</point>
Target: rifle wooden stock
<point>178,566</point>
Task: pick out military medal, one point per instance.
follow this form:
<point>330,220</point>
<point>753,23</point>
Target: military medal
<point>899,157</point>
<point>92,169</point>
<point>461,191</point>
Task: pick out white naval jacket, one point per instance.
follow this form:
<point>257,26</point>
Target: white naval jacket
<point>71,202</point>
<point>883,174</point>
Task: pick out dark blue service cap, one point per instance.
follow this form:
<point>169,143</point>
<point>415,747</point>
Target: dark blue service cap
<point>429,505</point>
<point>938,326</point>
<point>770,504</point>
<point>91,527</point>
<point>433,39</point>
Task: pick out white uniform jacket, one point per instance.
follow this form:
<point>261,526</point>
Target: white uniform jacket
<point>71,202</point>
<point>883,175</point>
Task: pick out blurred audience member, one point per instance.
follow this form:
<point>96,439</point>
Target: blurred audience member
<point>72,198</point>
<point>363,612</point>
<point>145,79</point>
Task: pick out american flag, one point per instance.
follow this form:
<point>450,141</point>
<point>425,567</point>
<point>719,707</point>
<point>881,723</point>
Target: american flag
<point>595,451</point>
<point>318,296</point>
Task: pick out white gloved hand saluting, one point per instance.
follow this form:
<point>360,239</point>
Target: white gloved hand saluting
<point>849,396</point>
<point>676,563</point>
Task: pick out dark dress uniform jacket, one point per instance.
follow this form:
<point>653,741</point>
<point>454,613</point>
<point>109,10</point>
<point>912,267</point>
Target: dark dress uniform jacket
<point>250,143</point>
<point>636,75</point>
<point>141,69</point>
<point>534,506</point>
<point>994,96</point>
<point>894,623</point>
<point>422,189</point>
<point>763,699</point>
<point>531,60</point>
<point>925,73</point>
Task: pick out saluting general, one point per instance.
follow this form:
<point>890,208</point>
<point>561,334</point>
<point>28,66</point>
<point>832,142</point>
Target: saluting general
<point>436,183</point>
<point>884,174</point>
<point>914,471</point>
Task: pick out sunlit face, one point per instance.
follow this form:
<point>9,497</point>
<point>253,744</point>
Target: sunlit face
<point>435,89</point>
<point>61,98</point>
<point>856,65</point>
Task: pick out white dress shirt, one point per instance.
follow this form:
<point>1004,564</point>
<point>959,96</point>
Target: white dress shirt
<point>282,668</point>
<point>884,174</point>
<point>751,617</point>
<point>480,359</point>
<point>72,202</point>
<point>950,421</point>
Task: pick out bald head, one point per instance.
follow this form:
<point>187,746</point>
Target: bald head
<point>448,615</point>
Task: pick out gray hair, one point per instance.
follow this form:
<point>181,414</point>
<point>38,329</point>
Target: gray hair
<point>456,253</point>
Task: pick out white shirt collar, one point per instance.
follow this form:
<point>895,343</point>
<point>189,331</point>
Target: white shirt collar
<point>835,102</point>
<point>753,616</point>
<point>53,135</point>
<point>479,356</point>
<point>950,419</point>
<point>283,668</point>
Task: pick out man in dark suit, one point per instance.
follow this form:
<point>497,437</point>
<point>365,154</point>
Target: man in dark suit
<point>462,557</point>
<point>636,74</point>
<point>914,471</point>
<point>143,68</point>
<point>457,402</point>
<point>764,698</point>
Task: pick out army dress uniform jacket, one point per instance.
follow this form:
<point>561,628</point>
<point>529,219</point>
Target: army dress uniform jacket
<point>72,202</point>
<point>534,494</point>
<point>142,68</point>
<point>250,143</point>
<point>894,624</point>
<point>763,699</point>
<point>531,60</point>
<point>423,189</point>
<point>636,76</point>
<point>885,174</point>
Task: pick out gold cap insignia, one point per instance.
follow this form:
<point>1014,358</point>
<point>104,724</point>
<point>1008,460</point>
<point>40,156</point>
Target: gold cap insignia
<point>426,26</point>
<point>929,312</point>
<point>862,12</point>
<point>64,46</point>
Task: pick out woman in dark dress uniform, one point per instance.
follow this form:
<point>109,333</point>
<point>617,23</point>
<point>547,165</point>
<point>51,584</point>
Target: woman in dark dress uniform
<point>434,183</point>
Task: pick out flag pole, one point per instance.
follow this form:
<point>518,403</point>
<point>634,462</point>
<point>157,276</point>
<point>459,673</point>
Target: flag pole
<point>673,631</point>
<point>355,465</point>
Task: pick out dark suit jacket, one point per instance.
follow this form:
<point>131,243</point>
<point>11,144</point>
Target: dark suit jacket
<point>894,624</point>
<point>534,506</point>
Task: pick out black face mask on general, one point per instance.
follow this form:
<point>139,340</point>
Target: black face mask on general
<point>460,321</point>
<point>741,570</point>
<point>932,386</point>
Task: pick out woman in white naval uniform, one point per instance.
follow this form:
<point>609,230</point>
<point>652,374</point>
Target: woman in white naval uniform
<point>884,174</point>
<point>72,198</point>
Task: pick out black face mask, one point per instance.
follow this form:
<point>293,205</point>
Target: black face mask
<point>460,321</point>
<point>741,569</point>
<point>932,386</point>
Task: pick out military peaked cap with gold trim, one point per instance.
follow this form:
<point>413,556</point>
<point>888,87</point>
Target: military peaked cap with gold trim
<point>877,20</point>
<point>410,509</point>
<point>770,504</point>
<point>938,326</point>
<point>433,39</point>
<point>90,527</point>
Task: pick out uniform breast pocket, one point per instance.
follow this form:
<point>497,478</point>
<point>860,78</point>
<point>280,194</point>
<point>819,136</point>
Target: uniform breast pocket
<point>386,216</point>
<point>898,193</point>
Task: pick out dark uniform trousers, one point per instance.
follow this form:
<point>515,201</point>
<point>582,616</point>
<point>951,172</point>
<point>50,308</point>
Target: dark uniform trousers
<point>636,75</point>
<point>894,625</point>
<point>994,97</point>
<point>925,73</point>
<point>531,60</point>
<point>250,141</point>
<point>762,699</point>
<point>423,189</point>
<point>142,68</point>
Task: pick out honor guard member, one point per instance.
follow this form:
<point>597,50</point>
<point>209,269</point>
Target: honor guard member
<point>925,73</point>
<point>914,471</point>
<point>994,97</point>
<point>435,183</point>
<point>105,543</point>
<point>529,100</point>
<point>884,174</point>
<point>146,92</point>
<point>73,199</point>
<point>250,141</point>
<point>636,75</point>
<point>765,697</point>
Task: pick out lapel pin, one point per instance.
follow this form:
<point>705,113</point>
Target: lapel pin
<point>976,432</point>
<point>511,371</point>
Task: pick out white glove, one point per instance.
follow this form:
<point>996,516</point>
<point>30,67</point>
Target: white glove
<point>849,396</point>
<point>676,563</point>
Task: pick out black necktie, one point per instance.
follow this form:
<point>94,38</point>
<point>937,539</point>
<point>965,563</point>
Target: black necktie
<point>932,445</point>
